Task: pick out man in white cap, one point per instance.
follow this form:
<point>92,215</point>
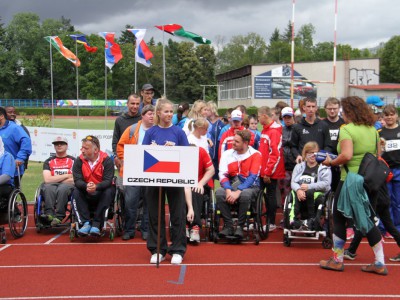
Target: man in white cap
<point>228,136</point>
<point>58,182</point>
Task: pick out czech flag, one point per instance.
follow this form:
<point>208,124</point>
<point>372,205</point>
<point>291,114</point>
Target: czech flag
<point>81,39</point>
<point>143,53</point>
<point>112,50</point>
<point>161,161</point>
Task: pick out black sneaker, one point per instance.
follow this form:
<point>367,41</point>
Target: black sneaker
<point>239,232</point>
<point>295,224</point>
<point>348,255</point>
<point>226,231</point>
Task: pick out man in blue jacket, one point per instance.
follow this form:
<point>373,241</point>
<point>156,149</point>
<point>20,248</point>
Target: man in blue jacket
<point>16,142</point>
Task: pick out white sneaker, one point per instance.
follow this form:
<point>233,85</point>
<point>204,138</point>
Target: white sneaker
<point>176,259</point>
<point>251,227</point>
<point>153,259</point>
<point>272,227</point>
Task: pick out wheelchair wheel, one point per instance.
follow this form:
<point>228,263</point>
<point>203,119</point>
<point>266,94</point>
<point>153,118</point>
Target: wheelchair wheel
<point>17,213</point>
<point>261,218</point>
<point>119,212</point>
<point>210,211</point>
<point>38,209</point>
<point>286,240</point>
<point>329,214</point>
<point>286,210</point>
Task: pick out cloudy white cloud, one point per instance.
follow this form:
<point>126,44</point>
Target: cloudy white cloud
<point>359,23</point>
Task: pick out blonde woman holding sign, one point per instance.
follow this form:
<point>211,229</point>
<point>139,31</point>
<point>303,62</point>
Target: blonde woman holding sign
<point>164,133</point>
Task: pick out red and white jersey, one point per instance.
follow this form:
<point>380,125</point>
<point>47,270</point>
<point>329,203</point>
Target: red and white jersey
<point>227,139</point>
<point>59,165</point>
<point>245,166</point>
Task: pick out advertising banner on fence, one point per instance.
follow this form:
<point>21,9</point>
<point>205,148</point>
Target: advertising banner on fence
<point>42,138</point>
<point>148,165</point>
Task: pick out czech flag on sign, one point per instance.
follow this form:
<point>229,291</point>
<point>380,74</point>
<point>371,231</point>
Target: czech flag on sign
<point>165,161</point>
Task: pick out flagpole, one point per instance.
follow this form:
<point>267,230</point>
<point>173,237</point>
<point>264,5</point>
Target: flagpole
<point>135,75</point>
<point>165,92</point>
<point>51,84</point>
<point>105,95</point>
<point>77,83</point>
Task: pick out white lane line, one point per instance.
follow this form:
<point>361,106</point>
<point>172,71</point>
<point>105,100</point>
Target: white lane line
<point>57,236</point>
<point>233,264</point>
<point>209,296</point>
<point>5,247</point>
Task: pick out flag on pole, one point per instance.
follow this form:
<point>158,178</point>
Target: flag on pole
<point>142,53</point>
<point>57,43</point>
<point>178,30</point>
<point>112,50</point>
<point>81,39</point>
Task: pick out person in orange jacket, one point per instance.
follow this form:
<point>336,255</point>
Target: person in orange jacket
<point>133,135</point>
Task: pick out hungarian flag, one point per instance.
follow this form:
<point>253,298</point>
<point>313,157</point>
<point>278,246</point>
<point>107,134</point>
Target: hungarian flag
<point>177,30</point>
<point>142,53</point>
<point>56,42</point>
<point>112,50</point>
<point>81,39</point>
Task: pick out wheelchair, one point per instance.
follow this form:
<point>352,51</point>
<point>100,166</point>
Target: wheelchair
<point>323,223</point>
<point>112,219</point>
<point>256,224</point>
<point>39,209</point>
<point>14,209</point>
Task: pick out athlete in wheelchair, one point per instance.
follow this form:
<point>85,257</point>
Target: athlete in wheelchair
<point>304,206</point>
<point>239,177</point>
<point>13,205</point>
<point>94,191</point>
<point>51,200</point>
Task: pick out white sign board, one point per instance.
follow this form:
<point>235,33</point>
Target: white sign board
<point>148,165</point>
<point>42,138</point>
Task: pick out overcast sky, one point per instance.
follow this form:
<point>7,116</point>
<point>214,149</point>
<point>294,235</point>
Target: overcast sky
<point>360,23</point>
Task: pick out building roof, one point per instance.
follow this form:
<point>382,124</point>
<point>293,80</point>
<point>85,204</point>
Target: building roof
<point>378,87</point>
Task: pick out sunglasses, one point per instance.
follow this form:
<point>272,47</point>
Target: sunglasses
<point>93,139</point>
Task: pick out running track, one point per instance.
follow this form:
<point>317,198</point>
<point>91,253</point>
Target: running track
<point>47,265</point>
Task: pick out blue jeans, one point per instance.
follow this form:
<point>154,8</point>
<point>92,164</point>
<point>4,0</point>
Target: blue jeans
<point>132,200</point>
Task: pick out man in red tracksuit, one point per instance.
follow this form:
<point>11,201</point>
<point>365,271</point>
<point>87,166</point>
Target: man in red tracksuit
<point>93,173</point>
<point>273,165</point>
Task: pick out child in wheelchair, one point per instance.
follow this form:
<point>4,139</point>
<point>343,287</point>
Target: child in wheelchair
<point>310,183</point>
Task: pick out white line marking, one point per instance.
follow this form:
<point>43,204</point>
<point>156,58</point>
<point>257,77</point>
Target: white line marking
<point>57,236</point>
<point>233,264</point>
<point>5,247</point>
<point>210,296</point>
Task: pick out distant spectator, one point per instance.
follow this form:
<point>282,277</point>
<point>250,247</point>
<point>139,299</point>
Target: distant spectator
<point>16,142</point>
<point>132,116</point>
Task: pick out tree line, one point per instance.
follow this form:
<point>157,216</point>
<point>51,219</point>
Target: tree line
<point>25,61</point>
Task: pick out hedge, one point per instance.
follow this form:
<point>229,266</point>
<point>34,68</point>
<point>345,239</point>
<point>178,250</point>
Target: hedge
<point>60,111</point>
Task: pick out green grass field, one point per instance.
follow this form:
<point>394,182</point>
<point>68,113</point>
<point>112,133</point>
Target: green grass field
<point>72,123</point>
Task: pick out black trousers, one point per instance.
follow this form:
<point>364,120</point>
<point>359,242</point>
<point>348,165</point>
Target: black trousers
<point>270,198</point>
<point>84,203</point>
<point>339,222</point>
<point>177,212</point>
